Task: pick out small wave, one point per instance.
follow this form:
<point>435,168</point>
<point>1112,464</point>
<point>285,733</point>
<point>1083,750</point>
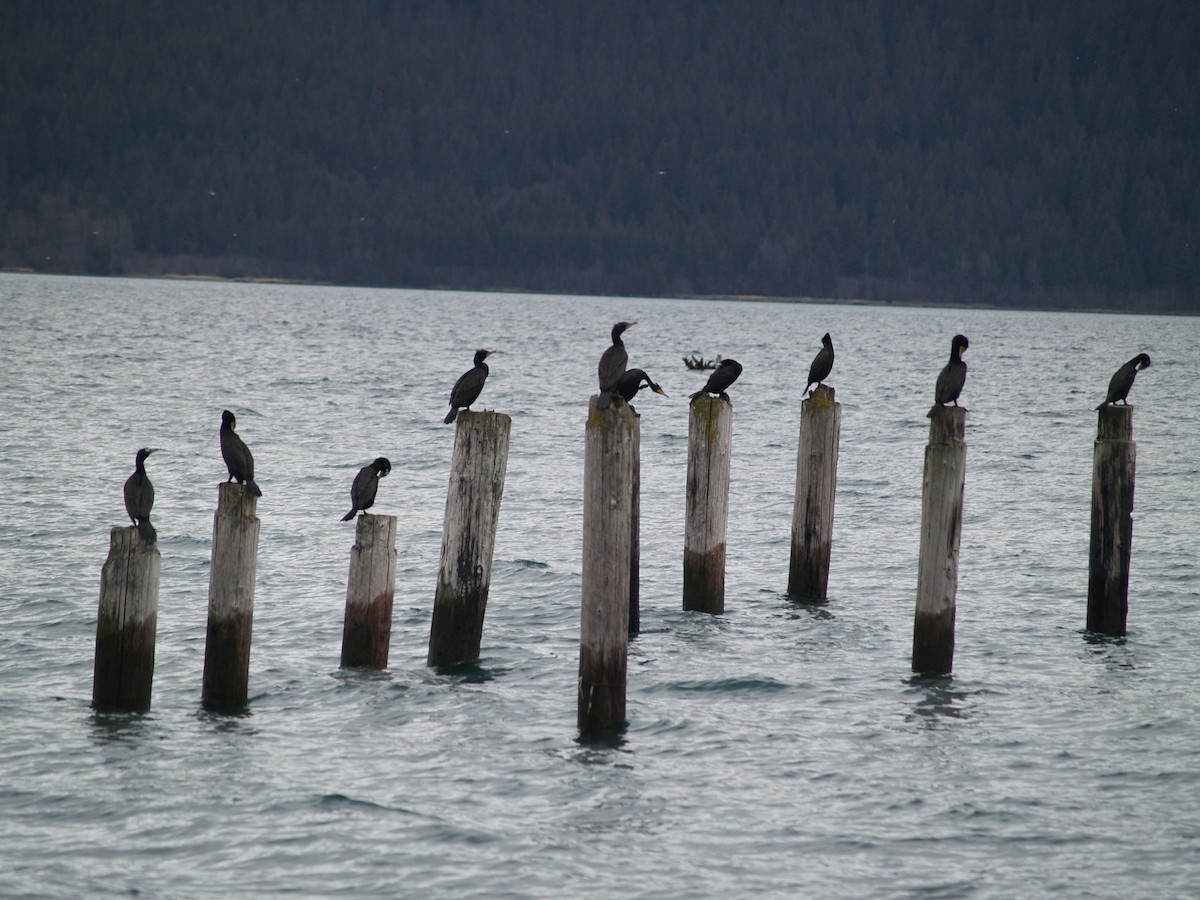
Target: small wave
<point>721,686</point>
<point>338,800</point>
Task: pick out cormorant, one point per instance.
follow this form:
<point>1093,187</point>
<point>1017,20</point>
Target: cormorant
<point>366,483</point>
<point>612,365</point>
<point>722,377</point>
<point>139,496</point>
<point>953,376</point>
<point>822,364</point>
<point>469,385</point>
<point>238,459</point>
<point>633,381</point>
<point>1122,381</point>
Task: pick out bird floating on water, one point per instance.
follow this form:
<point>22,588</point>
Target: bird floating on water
<point>238,458</point>
<point>953,376</point>
<point>469,385</point>
<point>1122,381</point>
<point>822,364</point>
<point>722,377</point>
<point>366,483</point>
<point>612,365</point>
<point>139,496</point>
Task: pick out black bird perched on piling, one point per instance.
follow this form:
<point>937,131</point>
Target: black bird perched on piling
<point>633,381</point>
<point>722,377</point>
<point>469,385</point>
<point>1122,381</point>
<point>139,496</point>
<point>238,459</point>
<point>953,376</point>
<point>366,483</point>
<point>822,364</point>
<point>612,365</point>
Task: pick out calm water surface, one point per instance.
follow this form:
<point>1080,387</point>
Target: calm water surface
<point>780,749</point>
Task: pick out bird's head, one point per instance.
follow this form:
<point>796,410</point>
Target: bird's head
<point>620,328</point>
<point>228,418</point>
<point>481,355</point>
<point>658,390</point>
<point>827,340</point>
<point>145,452</point>
<point>1143,361</point>
<point>960,343</point>
<point>381,466</point>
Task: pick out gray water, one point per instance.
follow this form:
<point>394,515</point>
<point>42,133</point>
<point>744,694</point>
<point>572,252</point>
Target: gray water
<point>779,749</point>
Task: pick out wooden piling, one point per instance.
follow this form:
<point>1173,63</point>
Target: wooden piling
<point>816,487</point>
<point>469,536</point>
<point>941,528</point>
<point>123,670</point>
<point>710,441</point>
<point>610,448</point>
<point>367,626</point>
<point>635,538</point>
<point>1113,463</point>
<point>231,598</point>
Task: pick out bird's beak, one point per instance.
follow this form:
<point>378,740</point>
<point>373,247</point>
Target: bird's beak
<point>659,390</point>
<point>150,450</point>
<point>490,352</point>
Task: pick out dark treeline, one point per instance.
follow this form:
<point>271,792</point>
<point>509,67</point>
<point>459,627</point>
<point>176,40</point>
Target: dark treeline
<point>1034,152</point>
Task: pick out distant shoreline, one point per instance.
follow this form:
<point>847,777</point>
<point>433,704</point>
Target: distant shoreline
<point>739,298</point>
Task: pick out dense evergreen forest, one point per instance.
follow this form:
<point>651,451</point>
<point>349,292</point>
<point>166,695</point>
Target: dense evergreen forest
<point>1032,152</point>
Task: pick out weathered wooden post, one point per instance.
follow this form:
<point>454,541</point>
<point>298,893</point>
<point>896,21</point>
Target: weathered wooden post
<point>231,597</point>
<point>710,441</point>
<point>610,448</point>
<point>816,487</point>
<point>123,670</point>
<point>468,536</point>
<point>635,538</point>
<point>941,528</point>
<point>1113,464</point>
<point>367,627</point>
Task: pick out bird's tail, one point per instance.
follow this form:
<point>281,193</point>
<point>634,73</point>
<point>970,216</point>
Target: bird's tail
<point>350,515</point>
<point>695,395</point>
<point>450,416</point>
<point>933,409</point>
<point>146,530</point>
<point>1102,405</point>
<point>605,400</point>
<point>252,488</point>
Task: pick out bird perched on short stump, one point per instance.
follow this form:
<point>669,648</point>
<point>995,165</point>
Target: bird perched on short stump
<point>633,381</point>
<point>238,459</point>
<point>139,496</point>
<point>469,386</point>
<point>612,365</point>
<point>722,377</point>
<point>1122,381</point>
<point>953,376</point>
<point>366,484</point>
<point>822,364</point>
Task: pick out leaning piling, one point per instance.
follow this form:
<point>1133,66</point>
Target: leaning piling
<point>941,528</point>
<point>477,472</point>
